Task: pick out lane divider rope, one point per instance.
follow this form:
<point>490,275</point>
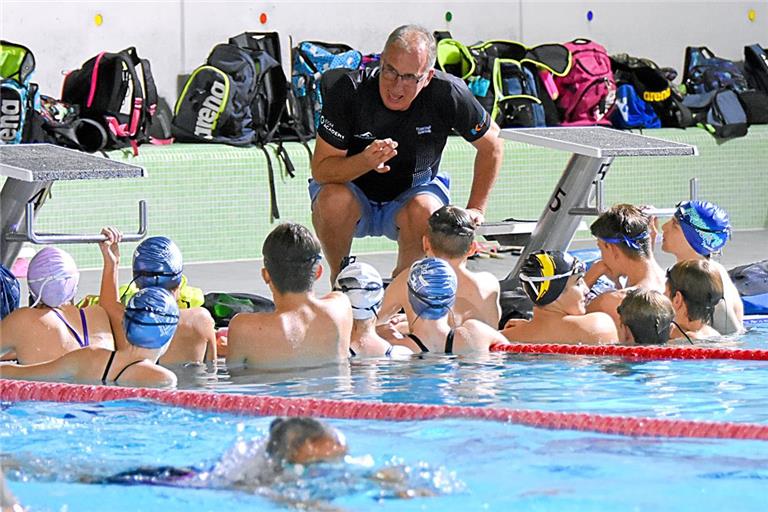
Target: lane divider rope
<point>635,351</point>
<point>13,391</point>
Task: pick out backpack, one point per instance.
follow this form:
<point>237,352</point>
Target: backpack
<point>751,279</point>
<point>587,93</point>
<point>224,306</point>
<point>215,103</point>
<point>17,94</point>
<point>704,72</point>
<point>310,59</point>
<point>506,79</point>
<point>56,122</point>
<point>654,86</point>
<point>632,111</point>
<point>719,112</point>
<point>118,91</point>
<point>756,67</point>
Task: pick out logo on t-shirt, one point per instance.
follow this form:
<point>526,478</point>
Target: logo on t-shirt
<point>479,126</point>
<point>330,128</point>
<point>366,136</point>
<point>423,130</point>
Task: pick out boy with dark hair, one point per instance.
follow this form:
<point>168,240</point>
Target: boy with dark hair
<point>303,330</point>
<point>695,288</point>
<point>624,239</point>
<point>646,317</point>
<point>450,237</point>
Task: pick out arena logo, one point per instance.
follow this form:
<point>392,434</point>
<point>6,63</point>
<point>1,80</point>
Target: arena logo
<point>209,112</point>
<point>423,130</point>
<point>325,123</point>
<point>10,119</point>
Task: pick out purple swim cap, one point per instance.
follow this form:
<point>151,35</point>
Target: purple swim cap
<point>52,277</point>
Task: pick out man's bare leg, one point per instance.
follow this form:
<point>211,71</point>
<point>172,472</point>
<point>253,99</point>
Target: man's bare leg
<point>335,213</point>
<point>412,220</point>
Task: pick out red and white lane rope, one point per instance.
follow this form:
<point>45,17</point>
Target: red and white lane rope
<point>635,351</point>
<point>268,406</point>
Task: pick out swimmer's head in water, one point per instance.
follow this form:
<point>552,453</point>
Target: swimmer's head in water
<point>362,285</point>
<point>52,277</point>
<point>151,317</point>
<point>431,288</point>
<point>705,225</point>
<point>157,262</point>
<point>545,275</point>
<point>304,440</point>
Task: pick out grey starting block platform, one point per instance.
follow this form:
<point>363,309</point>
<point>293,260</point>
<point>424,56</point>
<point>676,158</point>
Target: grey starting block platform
<point>31,170</point>
<point>578,192</point>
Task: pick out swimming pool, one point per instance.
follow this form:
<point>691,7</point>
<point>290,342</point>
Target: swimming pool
<point>469,464</point>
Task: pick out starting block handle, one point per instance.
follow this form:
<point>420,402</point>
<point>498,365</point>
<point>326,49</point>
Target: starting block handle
<point>29,235</point>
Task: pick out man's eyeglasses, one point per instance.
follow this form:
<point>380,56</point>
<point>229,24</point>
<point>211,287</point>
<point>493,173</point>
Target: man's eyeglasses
<point>389,73</point>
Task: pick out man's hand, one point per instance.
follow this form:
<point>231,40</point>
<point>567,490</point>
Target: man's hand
<point>378,153</point>
<point>477,216</point>
<point>110,248</point>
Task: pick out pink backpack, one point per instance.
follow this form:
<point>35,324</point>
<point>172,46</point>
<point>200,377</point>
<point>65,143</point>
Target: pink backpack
<point>587,93</point>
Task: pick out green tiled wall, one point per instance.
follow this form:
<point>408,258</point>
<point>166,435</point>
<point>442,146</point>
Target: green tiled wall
<point>213,200</point>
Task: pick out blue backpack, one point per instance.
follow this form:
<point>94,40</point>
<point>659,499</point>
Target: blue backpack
<point>310,60</point>
<point>705,72</point>
<point>632,111</point>
<point>17,94</point>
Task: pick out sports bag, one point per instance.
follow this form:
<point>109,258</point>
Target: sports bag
<point>632,111</point>
<point>56,122</point>
<point>587,93</point>
<point>704,72</point>
<point>756,67</point>
<point>17,94</point>
<point>215,103</point>
<point>310,60</point>
<point>118,91</point>
<point>506,79</point>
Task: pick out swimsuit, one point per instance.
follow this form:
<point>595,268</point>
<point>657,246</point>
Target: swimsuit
<point>109,366</point>
<point>388,353</point>
<point>423,347</point>
<point>83,342</point>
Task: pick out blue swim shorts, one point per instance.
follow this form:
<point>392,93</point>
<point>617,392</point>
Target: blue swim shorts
<point>378,219</point>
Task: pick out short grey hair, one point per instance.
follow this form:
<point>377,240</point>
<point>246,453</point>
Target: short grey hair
<point>408,37</point>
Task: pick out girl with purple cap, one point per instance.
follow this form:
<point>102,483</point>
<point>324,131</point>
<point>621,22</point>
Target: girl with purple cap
<point>697,231</point>
<point>52,325</point>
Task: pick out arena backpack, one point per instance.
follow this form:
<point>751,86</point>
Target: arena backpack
<point>118,91</point>
<point>632,111</point>
<point>705,72</point>
<point>587,93</point>
<point>506,80</point>
<point>17,94</point>
<point>310,60</point>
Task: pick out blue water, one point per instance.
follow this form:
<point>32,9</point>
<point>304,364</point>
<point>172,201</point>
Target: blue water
<point>468,465</point>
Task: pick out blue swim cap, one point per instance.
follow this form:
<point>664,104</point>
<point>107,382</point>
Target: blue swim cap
<point>157,262</point>
<point>10,292</point>
<point>705,225</point>
<point>151,317</point>
<point>431,288</point>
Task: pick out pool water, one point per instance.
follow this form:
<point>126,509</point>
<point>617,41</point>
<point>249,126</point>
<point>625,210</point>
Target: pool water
<point>465,464</point>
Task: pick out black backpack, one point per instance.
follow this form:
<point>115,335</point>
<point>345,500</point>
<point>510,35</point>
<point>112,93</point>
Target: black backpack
<point>756,67</point>
<point>215,103</point>
<point>118,91</point>
<point>704,72</point>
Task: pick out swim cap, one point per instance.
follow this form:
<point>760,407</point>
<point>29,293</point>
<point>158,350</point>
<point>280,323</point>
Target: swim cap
<point>362,285</point>
<point>52,277</point>
<point>157,262</point>
<point>431,288</point>
<point>151,317</point>
<point>10,292</point>
<point>545,274</point>
<point>705,225</point>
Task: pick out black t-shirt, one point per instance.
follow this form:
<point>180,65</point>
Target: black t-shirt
<point>354,115</point>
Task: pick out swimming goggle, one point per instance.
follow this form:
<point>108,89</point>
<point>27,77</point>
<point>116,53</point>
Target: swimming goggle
<point>629,241</point>
<point>578,268</point>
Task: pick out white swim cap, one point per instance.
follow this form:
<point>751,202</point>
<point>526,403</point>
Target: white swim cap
<point>362,285</point>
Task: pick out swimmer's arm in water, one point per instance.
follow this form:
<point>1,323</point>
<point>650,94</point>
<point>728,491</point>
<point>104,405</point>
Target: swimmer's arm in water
<point>108,295</point>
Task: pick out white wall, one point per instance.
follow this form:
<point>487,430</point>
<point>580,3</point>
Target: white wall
<point>176,35</point>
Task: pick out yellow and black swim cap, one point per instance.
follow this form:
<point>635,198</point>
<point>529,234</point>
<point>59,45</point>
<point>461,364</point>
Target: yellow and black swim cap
<point>545,274</point>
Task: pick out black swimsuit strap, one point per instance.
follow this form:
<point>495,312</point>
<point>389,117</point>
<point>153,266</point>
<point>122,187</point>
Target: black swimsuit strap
<point>125,368</point>
<point>351,352</point>
<point>449,342</point>
<point>108,367</point>
<point>388,353</point>
<point>71,329</point>
<point>418,342</point>
<point>682,331</point>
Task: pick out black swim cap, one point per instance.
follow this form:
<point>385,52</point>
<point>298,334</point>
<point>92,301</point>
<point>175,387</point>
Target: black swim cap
<point>545,274</point>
